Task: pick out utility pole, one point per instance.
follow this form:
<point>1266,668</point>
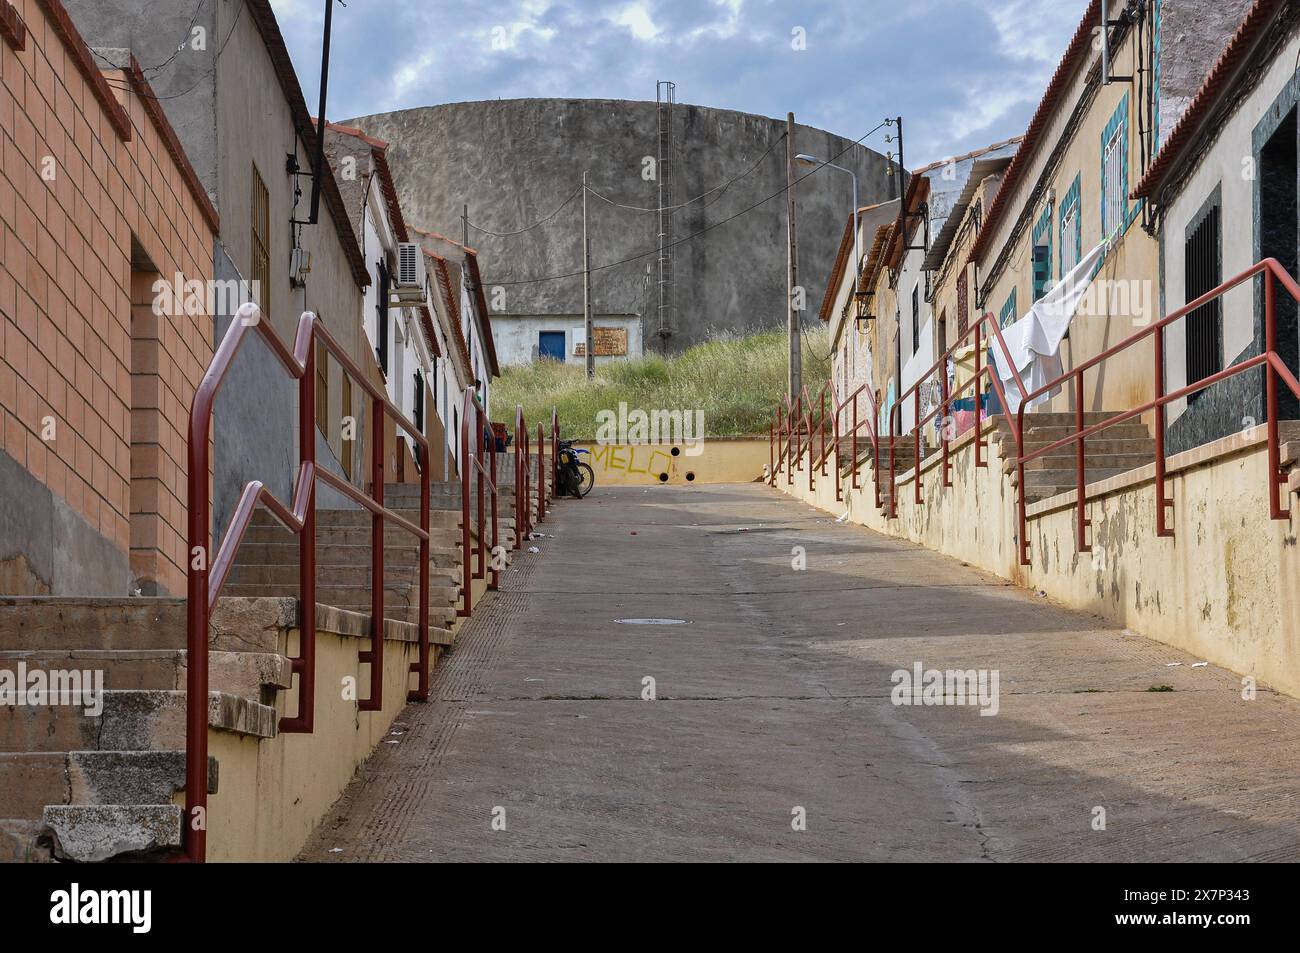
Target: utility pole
<point>464,225</point>
<point>792,261</point>
<point>586,285</point>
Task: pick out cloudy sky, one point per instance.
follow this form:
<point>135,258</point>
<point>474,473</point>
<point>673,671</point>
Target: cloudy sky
<point>962,73</point>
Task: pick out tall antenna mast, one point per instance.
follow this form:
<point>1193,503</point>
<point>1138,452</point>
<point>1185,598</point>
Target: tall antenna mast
<point>665,99</point>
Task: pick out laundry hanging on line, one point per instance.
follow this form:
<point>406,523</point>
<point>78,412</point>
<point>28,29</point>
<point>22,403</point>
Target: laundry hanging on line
<point>1035,339</point>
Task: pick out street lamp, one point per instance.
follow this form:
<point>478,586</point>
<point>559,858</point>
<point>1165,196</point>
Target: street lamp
<point>807,160</point>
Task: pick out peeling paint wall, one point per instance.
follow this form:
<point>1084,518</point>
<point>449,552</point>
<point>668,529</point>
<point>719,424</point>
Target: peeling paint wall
<point>1222,588</point>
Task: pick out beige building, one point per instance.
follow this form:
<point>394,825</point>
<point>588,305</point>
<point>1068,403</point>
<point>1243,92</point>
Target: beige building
<point>106,260</point>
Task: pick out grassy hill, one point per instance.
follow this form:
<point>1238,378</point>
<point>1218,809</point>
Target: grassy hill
<point>735,380</point>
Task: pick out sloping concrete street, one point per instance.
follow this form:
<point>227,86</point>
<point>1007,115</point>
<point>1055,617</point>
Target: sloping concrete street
<point>774,703</point>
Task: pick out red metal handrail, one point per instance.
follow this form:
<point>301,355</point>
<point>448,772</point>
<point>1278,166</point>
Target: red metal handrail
<point>472,468</point>
<point>1274,368</point>
<point>945,403</point>
<point>207,577</point>
<point>851,401</point>
<point>523,480</point>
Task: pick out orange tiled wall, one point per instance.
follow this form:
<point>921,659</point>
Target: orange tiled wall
<point>82,349</point>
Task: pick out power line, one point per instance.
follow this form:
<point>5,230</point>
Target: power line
<point>127,87</point>
<point>528,228</point>
<point>696,234</point>
<point>152,70</point>
<point>723,187</point>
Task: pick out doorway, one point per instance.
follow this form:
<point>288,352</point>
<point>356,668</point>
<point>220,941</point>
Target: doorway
<point>550,345</point>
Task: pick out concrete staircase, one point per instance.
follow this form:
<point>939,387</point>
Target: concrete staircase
<point>1115,450</point>
<point>267,562</point>
<point>102,784</point>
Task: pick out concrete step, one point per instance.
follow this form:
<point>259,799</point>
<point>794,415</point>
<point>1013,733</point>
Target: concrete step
<point>442,619</point>
<point>20,842</point>
<point>31,781</point>
<point>443,556</point>
<point>1067,477</point>
<point>1092,461</point>
<point>71,624</point>
<point>149,720</point>
<point>247,674</point>
<point>1067,418</point>
<point>283,577</point>
<point>395,594</point>
<point>1125,431</point>
<point>96,833</point>
<point>40,623</point>
<point>395,538</point>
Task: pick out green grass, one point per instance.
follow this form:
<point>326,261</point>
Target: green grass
<point>736,381</point>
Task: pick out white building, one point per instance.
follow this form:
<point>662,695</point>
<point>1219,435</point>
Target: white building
<point>1223,191</point>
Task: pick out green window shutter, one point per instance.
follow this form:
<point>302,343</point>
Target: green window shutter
<point>1009,313</point>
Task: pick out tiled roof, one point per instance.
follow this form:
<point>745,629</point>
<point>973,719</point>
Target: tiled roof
<point>969,155</point>
<point>379,150</point>
<point>1235,55</point>
<point>470,257</point>
<point>1078,49</point>
<point>449,298</point>
<point>842,260</point>
<point>485,319</point>
<point>876,257</point>
<point>12,27</point>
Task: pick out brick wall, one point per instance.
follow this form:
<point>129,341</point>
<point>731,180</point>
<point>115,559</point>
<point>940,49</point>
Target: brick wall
<point>96,202</point>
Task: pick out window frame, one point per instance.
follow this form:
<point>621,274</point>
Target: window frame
<point>1071,227</point>
<point>259,253</point>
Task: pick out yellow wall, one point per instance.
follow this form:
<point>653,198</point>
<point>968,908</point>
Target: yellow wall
<point>720,460</point>
<point>1127,379</point>
<point>273,793</point>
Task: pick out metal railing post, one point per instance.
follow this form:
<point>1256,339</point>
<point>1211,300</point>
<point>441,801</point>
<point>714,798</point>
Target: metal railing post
<point>1082,521</point>
<point>856,486</point>
<point>466,553</point>
<point>1163,502</point>
<point>374,656</point>
<point>978,397</point>
<point>916,444</point>
<point>1276,476</point>
<point>421,693</point>
<point>304,666</point>
<point>945,425</point>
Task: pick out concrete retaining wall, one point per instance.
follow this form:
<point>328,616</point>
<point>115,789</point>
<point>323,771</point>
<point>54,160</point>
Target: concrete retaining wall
<point>1223,587</point>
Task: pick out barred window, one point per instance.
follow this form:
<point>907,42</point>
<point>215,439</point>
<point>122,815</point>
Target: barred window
<point>260,266</point>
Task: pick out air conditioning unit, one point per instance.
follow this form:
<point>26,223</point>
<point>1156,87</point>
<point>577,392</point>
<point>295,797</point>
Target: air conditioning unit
<point>410,271</point>
<point>299,266</point>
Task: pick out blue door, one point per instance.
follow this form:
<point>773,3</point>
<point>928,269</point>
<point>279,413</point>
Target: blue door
<point>550,344</point>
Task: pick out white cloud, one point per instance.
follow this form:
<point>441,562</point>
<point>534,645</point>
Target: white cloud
<point>636,18</point>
